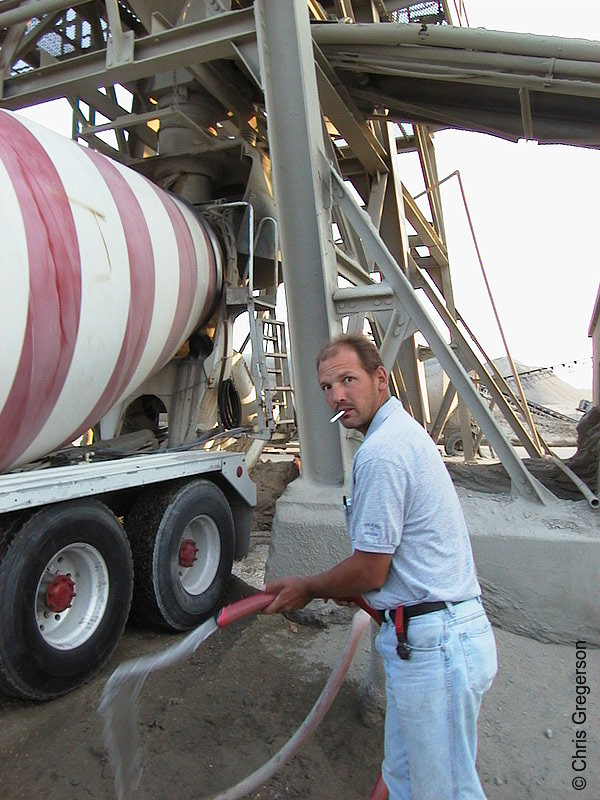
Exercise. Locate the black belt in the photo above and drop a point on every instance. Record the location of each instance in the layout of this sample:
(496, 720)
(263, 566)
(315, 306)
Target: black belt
(417, 610)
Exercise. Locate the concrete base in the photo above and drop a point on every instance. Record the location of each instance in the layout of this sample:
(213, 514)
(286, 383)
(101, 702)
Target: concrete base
(538, 565)
(309, 531)
(309, 535)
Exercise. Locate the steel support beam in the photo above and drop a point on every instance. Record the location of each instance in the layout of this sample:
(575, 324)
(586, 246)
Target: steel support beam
(428, 161)
(36, 8)
(167, 50)
(339, 108)
(393, 232)
(432, 185)
(427, 234)
(300, 174)
(119, 47)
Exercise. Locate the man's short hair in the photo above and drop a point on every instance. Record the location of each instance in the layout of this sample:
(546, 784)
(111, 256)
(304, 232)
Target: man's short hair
(364, 348)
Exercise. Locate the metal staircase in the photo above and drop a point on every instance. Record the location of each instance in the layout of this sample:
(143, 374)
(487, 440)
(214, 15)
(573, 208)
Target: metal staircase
(270, 362)
(277, 389)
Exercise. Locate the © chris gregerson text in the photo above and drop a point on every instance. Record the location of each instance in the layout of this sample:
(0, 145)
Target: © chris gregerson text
(579, 717)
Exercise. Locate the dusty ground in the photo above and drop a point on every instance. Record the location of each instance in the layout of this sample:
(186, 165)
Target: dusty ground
(210, 721)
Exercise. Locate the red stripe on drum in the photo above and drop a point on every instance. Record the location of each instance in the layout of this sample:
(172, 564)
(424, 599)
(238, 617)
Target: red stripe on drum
(188, 276)
(142, 280)
(54, 291)
(212, 274)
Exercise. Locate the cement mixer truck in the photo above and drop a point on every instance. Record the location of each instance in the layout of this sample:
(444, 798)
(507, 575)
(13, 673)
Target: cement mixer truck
(117, 368)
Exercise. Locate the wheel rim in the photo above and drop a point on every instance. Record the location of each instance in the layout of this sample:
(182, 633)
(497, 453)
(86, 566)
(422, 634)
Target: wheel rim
(78, 575)
(202, 534)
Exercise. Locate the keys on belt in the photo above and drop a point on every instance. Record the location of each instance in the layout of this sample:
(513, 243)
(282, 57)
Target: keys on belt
(402, 615)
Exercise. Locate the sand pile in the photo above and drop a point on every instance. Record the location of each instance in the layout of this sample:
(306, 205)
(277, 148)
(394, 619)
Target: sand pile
(543, 387)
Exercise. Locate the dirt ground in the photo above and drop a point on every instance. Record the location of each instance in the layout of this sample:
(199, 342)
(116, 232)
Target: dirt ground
(210, 721)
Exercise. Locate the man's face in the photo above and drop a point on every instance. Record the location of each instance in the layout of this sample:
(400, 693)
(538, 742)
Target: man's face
(347, 385)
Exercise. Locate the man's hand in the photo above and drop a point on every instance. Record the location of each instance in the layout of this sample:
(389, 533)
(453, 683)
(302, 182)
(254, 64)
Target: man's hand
(291, 593)
(360, 573)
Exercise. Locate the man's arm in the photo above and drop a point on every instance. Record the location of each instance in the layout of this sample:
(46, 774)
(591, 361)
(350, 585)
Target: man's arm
(362, 572)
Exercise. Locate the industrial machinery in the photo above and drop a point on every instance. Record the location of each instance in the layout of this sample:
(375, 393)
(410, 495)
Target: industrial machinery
(118, 304)
(124, 333)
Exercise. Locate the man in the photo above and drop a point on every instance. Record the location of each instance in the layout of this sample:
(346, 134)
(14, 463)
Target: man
(412, 561)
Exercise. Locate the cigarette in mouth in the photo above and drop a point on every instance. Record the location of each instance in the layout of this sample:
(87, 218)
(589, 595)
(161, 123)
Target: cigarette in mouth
(337, 416)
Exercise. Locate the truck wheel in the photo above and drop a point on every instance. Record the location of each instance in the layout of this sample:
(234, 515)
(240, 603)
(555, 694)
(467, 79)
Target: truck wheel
(183, 542)
(454, 444)
(65, 589)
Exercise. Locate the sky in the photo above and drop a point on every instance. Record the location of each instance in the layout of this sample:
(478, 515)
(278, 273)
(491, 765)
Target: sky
(533, 209)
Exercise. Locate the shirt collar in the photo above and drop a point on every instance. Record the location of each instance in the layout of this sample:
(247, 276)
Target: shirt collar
(382, 413)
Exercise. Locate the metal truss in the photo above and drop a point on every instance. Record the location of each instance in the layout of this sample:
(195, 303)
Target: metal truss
(395, 291)
(190, 88)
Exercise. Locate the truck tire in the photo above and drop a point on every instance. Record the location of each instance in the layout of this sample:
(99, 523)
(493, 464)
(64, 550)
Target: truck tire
(454, 444)
(183, 541)
(66, 581)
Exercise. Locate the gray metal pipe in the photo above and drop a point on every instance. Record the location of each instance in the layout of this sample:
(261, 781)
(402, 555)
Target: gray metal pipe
(483, 77)
(520, 44)
(583, 487)
(397, 57)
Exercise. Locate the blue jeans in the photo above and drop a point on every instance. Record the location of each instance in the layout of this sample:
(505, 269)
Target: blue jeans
(433, 701)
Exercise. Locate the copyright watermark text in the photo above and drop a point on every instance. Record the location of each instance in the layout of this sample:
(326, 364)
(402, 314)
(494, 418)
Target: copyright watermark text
(579, 718)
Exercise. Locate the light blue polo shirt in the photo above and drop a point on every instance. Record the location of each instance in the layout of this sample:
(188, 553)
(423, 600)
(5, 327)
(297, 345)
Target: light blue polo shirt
(403, 502)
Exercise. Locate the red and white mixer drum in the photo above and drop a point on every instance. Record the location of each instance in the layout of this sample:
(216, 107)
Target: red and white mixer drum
(103, 276)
